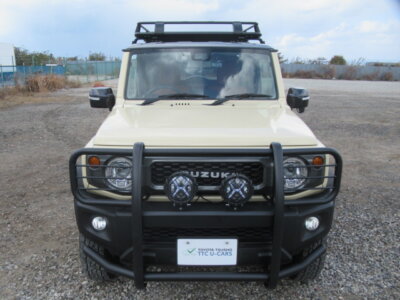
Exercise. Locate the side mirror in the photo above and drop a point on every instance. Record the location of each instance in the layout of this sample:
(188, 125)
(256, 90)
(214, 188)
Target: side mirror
(298, 98)
(102, 97)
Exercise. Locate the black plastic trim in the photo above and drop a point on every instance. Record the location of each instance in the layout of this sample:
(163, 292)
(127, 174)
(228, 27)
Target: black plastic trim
(137, 227)
(238, 33)
(139, 212)
(279, 215)
(203, 276)
(171, 152)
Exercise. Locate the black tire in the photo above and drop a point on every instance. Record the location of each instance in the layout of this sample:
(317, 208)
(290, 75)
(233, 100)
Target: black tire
(92, 269)
(313, 270)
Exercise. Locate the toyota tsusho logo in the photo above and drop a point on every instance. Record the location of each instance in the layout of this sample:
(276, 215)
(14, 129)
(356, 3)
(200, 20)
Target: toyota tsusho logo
(208, 174)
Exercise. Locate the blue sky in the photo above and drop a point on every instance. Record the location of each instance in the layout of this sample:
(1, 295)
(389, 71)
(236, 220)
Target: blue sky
(368, 29)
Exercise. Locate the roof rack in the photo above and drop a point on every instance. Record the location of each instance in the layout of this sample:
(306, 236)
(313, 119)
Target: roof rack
(241, 32)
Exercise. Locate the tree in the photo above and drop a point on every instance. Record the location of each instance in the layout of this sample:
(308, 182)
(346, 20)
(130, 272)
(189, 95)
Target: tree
(338, 60)
(282, 59)
(318, 61)
(298, 60)
(97, 56)
(25, 58)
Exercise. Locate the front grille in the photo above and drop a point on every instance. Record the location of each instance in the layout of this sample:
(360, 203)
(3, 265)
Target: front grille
(251, 234)
(161, 170)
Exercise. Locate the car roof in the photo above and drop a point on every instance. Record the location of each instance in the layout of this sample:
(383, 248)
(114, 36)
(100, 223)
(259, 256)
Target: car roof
(186, 44)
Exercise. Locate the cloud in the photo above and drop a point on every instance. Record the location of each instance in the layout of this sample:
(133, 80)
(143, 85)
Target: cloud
(171, 9)
(373, 27)
(297, 28)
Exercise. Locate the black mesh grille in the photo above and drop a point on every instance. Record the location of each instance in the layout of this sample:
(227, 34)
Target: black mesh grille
(161, 170)
(251, 234)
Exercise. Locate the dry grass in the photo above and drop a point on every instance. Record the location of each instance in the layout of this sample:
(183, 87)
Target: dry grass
(48, 83)
(35, 89)
(351, 73)
(327, 72)
(98, 84)
(387, 76)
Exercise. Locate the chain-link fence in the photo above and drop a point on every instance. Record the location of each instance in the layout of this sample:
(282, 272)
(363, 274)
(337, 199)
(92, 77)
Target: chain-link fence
(325, 71)
(90, 71)
(82, 71)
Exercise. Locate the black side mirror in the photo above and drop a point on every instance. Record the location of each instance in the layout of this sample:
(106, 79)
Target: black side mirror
(102, 97)
(298, 98)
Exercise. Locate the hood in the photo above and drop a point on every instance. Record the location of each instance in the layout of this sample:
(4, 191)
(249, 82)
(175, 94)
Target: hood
(186, 125)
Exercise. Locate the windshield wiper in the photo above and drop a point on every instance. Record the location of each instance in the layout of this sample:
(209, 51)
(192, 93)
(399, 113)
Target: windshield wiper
(239, 96)
(174, 96)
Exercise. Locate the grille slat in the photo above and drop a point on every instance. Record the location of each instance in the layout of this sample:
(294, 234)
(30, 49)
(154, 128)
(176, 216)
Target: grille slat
(161, 170)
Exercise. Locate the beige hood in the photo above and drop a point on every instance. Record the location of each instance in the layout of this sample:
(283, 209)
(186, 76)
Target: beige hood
(233, 124)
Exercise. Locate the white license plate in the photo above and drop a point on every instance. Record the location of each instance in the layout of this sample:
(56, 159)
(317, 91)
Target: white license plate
(207, 252)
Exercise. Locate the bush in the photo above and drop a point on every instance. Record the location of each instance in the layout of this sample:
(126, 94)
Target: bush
(349, 74)
(51, 82)
(328, 72)
(305, 74)
(98, 84)
(371, 76)
(387, 76)
(338, 60)
(97, 56)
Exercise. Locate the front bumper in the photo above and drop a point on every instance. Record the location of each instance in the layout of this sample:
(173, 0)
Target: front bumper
(276, 250)
(163, 225)
(202, 276)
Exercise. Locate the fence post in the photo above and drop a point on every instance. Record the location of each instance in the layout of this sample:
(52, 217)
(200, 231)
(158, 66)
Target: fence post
(2, 77)
(87, 72)
(97, 71)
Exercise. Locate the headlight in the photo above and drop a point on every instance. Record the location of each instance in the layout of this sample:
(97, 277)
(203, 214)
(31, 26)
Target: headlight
(294, 173)
(119, 173)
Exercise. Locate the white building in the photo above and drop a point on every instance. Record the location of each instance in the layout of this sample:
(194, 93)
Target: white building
(7, 57)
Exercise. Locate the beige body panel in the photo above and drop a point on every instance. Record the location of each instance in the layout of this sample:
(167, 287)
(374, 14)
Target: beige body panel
(235, 124)
(194, 124)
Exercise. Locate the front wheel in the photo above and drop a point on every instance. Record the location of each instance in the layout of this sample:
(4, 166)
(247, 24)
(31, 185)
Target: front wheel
(313, 270)
(92, 269)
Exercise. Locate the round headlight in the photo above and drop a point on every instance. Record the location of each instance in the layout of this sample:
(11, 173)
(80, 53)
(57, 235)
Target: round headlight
(119, 173)
(294, 173)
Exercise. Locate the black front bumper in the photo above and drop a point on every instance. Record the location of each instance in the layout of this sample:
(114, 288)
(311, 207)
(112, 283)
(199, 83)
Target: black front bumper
(203, 276)
(281, 224)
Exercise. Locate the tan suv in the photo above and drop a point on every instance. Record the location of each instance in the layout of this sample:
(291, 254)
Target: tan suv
(202, 162)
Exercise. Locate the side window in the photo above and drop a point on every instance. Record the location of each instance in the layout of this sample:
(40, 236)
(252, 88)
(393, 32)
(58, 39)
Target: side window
(132, 78)
(267, 76)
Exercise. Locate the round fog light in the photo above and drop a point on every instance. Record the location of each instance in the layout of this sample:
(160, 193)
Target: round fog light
(99, 223)
(312, 223)
(236, 190)
(180, 188)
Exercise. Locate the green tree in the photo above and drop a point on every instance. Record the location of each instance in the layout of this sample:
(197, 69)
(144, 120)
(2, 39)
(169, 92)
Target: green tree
(25, 58)
(20, 56)
(97, 56)
(338, 60)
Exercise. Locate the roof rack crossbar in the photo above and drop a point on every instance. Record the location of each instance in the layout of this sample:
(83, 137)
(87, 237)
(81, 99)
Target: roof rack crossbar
(160, 34)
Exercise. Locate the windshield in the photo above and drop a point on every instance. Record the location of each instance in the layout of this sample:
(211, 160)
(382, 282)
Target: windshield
(200, 73)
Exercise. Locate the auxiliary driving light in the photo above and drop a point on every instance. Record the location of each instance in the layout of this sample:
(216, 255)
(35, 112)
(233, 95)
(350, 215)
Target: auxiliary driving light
(311, 223)
(99, 223)
(236, 189)
(180, 188)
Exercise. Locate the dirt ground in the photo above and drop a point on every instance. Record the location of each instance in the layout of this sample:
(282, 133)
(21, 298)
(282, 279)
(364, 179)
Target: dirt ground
(39, 237)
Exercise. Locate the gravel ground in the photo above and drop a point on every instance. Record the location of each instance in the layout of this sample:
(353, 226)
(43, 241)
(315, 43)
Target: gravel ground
(39, 238)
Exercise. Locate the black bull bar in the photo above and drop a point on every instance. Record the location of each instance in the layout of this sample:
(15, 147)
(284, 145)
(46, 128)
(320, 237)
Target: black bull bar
(138, 273)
